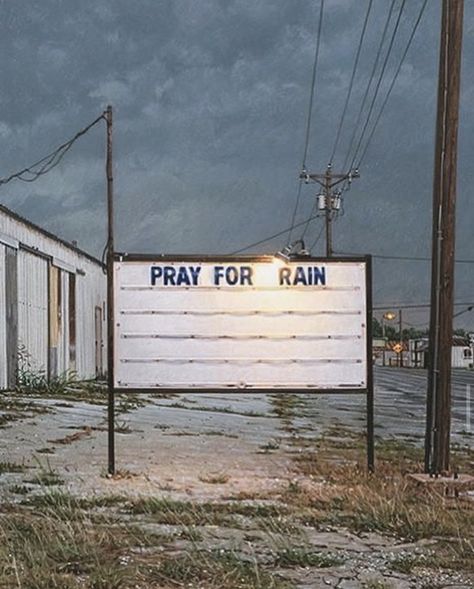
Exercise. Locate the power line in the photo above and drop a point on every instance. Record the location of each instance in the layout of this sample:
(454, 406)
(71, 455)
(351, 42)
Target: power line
(403, 258)
(295, 210)
(313, 83)
(397, 72)
(413, 306)
(470, 308)
(369, 83)
(309, 117)
(313, 245)
(50, 161)
(379, 81)
(270, 237)
(351, 83)
(308, 221)
(416, 325)
(355, 254)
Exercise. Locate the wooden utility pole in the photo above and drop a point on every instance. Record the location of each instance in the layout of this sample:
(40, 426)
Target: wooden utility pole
(328, 181)
(438, 415)
(328, 212)
(400, 331)
(110, 295)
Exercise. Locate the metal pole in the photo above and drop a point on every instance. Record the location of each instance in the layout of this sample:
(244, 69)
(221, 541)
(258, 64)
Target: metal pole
(110, 295)
(438, 405)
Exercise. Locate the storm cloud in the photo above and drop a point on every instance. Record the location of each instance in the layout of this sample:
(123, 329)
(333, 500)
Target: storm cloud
(210, 101)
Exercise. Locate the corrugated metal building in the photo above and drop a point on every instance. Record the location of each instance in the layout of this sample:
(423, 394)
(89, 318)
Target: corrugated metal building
(52, 303)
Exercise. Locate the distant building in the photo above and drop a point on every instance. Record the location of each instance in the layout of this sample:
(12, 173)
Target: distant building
(461, 352)
(387, 353)
(52, 304)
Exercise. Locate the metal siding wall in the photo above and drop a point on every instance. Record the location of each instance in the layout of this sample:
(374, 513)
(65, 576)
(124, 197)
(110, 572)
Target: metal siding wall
(81, 365)
(3, 322)
(90, 293)
(54, 323)
(33, 308)
(63, 342)
(11, 300)
(84, 340)
(457, 357)
(90, 290)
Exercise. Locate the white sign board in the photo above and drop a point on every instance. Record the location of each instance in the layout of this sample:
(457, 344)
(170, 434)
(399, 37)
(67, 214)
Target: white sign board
(256, 323)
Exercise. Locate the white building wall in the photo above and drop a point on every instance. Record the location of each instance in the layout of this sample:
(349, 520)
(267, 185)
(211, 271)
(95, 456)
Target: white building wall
(63, 340)
(33, 311)
(34, 298)
(461, 357)
(3, 321)
(89, 295)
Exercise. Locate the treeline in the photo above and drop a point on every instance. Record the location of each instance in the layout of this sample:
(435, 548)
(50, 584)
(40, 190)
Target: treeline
(392, 333)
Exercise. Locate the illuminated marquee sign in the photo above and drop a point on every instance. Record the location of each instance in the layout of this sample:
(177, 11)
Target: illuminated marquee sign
(254, 323)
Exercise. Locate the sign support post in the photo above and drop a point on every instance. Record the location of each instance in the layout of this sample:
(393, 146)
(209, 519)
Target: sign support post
(110, 296)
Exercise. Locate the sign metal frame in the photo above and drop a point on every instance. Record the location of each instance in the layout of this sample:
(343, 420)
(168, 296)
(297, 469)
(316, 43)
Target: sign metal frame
(368, 390)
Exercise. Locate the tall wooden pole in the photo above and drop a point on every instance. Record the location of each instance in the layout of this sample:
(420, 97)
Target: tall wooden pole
(328, 218)
(110, 295)
(438, 415)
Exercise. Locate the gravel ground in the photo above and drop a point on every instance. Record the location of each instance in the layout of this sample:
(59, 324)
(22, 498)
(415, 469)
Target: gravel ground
(212, 447)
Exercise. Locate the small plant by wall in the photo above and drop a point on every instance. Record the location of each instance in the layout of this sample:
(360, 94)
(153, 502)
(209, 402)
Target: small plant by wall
(31, 380)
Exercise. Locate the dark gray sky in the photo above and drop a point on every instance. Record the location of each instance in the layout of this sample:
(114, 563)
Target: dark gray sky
(210, 101)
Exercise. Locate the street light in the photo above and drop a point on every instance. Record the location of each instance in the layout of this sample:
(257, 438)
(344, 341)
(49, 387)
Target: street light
(390, 316)
(387, 316)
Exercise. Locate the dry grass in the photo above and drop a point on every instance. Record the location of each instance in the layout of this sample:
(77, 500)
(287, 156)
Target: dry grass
(215, 478)
(9, 467)
(342, 493)
(186, 513)
(215, 569)
(62, 544)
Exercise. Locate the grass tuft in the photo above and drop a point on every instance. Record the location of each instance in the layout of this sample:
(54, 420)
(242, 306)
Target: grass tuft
(9, 467)
(215, 569)
(215, 479)
(302, 557)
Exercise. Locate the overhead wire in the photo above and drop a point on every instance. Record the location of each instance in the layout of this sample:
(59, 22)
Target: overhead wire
(403, 258)
(369, 83)
(364, 100)
(309, 117)
(415, 325)
(379, 307)
(270, 237)
(318, 237)
(308, 221)
(351, 83)
(394, 79)
(313, 83)
(379, 81)
(346, 104)
(50, 161)
(467, 310)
